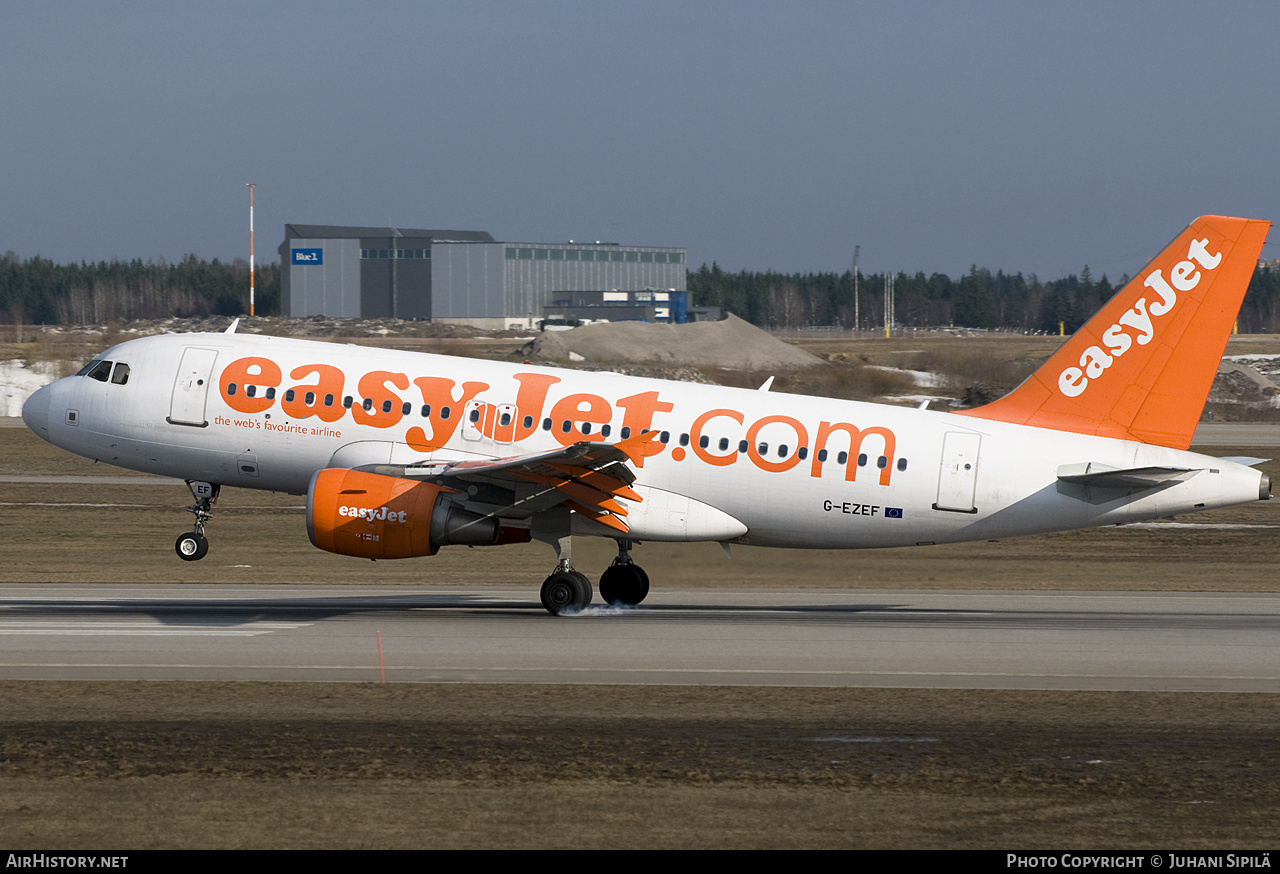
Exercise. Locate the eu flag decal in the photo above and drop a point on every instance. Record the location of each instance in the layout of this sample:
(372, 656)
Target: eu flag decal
(893, 512)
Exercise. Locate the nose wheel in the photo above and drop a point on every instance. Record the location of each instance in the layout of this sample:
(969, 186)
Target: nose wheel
(193, 545)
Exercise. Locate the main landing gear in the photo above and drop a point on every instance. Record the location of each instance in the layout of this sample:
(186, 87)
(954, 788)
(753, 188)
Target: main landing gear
(193, 546)
(624, 583)
(566, 591)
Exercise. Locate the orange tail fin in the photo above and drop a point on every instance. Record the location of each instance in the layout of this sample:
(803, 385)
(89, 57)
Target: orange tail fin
(1141, 368)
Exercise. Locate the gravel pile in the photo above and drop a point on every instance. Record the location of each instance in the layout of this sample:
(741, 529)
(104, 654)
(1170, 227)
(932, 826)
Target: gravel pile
(730, 343)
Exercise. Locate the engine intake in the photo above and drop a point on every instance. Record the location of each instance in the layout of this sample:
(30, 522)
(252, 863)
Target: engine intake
(368, 515)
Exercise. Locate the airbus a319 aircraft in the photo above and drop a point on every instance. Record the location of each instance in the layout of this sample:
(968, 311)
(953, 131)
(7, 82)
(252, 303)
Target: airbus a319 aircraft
(402, 453)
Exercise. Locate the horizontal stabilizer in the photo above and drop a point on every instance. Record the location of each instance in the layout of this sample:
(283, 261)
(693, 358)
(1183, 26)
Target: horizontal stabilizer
(1103, 476)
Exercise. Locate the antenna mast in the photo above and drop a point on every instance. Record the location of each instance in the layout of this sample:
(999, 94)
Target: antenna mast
(251, 186)
(856, 323)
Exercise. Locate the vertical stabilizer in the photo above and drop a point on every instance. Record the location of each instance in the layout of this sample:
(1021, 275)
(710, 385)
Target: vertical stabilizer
(1141, 368)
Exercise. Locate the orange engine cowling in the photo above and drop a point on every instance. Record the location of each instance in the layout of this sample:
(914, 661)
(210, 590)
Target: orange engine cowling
(368, 515)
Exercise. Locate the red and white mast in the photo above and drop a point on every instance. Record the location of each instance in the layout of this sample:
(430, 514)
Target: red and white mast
(251, 185)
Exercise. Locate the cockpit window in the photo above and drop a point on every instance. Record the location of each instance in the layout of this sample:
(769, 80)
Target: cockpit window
(98, 370)
(120, 375)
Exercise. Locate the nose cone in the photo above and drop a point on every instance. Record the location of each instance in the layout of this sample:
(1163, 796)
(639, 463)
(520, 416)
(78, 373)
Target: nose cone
(35, 412)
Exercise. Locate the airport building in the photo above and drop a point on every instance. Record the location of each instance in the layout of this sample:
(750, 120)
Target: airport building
(468, 277)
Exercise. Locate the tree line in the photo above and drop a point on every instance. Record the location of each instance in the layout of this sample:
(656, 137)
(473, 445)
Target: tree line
(37, 291)
(980, 299)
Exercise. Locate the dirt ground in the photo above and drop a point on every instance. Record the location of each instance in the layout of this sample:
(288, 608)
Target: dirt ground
(119, 766)
(105, 766)
(77, 533)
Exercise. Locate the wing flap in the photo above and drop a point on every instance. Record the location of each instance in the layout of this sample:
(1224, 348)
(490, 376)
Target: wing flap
(588, 478)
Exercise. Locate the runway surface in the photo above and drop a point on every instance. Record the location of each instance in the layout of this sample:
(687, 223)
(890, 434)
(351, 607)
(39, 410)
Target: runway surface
(992, 640)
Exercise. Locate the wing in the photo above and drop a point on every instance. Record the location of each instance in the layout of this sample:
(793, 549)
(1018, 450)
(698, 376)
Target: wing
(589, 478)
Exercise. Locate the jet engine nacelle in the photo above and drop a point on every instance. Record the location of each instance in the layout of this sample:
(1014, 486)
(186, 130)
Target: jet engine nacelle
(368, 515)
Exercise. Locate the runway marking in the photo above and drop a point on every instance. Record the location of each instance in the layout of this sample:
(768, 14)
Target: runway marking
(141, 506)
(1217, 526)
(11, 628)
(69, 504)
(604, 672)
(875, 740)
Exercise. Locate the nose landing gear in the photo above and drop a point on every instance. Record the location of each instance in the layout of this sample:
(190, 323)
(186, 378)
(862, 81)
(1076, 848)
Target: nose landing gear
(193, 545)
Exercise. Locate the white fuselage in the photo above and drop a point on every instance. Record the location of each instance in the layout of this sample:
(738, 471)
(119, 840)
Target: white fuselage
(728, 464)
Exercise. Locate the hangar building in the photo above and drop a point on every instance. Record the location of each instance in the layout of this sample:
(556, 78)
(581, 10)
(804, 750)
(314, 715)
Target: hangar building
(465, 277)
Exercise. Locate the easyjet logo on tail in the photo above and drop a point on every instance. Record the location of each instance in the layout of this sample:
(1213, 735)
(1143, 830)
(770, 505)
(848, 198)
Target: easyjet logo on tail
(1138, 324)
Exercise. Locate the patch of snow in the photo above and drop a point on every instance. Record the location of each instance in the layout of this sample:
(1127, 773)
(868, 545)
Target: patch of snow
(18, 382)
(921, 378)
(916, 399)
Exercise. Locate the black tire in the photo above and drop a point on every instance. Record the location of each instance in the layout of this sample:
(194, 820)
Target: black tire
(565, 593)
(191, 546)
(624, 584)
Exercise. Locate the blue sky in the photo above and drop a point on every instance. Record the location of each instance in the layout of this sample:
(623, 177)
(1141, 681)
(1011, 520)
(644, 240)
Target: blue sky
(1017, 136)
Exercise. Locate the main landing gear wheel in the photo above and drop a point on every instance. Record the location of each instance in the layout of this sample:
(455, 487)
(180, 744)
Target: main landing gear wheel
(624, 584)
(566, 592)
(191, 546)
